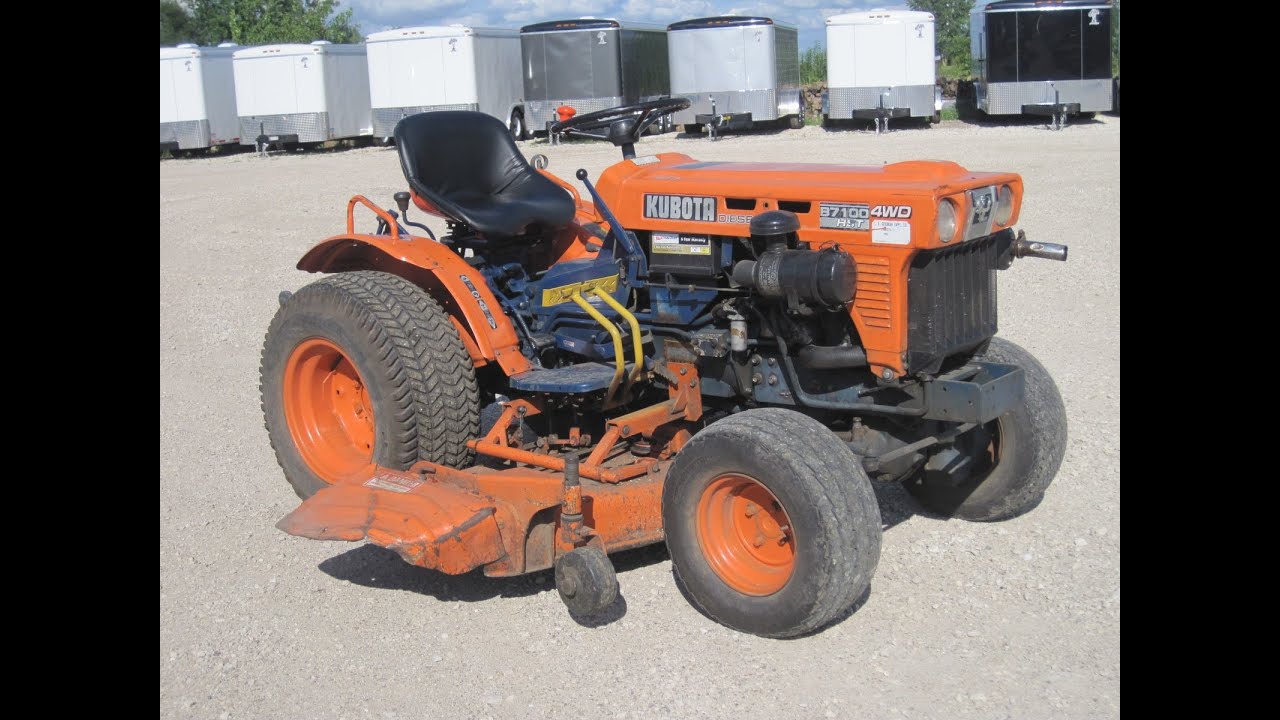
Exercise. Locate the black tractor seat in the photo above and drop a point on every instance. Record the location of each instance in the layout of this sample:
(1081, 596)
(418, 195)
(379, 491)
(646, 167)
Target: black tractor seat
(466, 164)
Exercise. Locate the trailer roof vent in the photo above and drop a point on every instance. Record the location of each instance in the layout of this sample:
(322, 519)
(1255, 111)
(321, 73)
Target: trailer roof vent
(228, 44)
(188, 45)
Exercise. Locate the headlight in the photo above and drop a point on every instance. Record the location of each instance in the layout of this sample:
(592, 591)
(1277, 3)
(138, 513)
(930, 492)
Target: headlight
(946, 220)
(1004, 206)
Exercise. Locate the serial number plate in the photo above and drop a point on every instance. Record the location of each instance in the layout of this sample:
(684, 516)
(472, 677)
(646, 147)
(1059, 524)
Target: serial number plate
(845, 216)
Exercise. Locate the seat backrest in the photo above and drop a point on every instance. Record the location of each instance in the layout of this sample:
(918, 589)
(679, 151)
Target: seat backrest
(457, 154)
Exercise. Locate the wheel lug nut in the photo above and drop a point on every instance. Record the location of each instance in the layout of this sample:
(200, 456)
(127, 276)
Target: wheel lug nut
(759, 540)
(752, 509)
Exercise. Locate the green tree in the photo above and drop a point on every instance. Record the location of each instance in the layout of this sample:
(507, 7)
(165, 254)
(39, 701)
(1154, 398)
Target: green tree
(259, 22)
(813, 65)
(175, 23)
(1115, 39)
(951, 23)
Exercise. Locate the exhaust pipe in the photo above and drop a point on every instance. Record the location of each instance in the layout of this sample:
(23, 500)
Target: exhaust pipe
(1048, 251)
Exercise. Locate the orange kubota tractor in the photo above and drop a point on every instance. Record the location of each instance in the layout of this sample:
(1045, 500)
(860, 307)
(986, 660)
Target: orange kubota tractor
(722, 356)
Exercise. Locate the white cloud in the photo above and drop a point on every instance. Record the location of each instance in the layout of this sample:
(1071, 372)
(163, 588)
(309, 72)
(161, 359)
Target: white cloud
(528, 11)
(396, 8)
(666, 11)
(810, 15)
(470, 20)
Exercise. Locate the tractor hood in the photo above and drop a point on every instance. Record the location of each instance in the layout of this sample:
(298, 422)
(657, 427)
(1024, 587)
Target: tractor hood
(840, 203)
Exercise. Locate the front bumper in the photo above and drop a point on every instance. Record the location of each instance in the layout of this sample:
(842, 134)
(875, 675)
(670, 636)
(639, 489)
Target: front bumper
(979, 392)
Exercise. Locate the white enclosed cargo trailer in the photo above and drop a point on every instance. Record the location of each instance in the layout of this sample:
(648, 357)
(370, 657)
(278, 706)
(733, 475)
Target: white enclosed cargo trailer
(421, 69)
(735, 70)
(302, 93)
(197, 97)
(1042, 58)
(590, 64)
(881, 64)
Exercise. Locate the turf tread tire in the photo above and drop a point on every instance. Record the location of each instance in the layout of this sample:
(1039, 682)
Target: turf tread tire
(420, 366)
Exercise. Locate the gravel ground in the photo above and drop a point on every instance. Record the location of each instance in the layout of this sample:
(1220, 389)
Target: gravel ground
(1016, 619)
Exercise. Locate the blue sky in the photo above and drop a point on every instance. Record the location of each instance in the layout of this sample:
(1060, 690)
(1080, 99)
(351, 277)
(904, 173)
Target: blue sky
(808, 15)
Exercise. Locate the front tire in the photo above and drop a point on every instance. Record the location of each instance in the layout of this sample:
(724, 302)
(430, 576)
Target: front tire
(1018, 458)
(771, 523)
(362, 369)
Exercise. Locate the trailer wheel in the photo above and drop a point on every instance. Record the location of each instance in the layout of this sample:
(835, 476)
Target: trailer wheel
(518, 129)
(693, 128)
(1017, 454)
(936, 118)
(795, 122)
(364, 368)
(771, 523)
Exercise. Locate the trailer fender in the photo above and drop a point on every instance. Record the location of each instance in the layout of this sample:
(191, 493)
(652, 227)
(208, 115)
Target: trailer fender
(486, 330)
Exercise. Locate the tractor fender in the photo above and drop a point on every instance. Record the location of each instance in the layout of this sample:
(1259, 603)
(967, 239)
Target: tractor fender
(485, 329)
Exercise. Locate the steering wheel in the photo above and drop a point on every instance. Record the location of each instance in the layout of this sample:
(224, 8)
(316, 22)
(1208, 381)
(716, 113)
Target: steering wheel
(623, 125)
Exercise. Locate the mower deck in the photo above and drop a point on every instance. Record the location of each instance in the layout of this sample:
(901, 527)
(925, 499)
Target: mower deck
(503, 520)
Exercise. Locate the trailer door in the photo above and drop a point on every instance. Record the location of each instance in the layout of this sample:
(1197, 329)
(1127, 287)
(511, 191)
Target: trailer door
(920, 66)
(569, 73)
(1049, 45)
(879, 54)
(405, 73)
(757, 58)
(267, 85)
(533, 52)
(1095, 26)
(188, 88)
(1002, 46)
(168, 94)
(457, 70)
(605, 47)
(721, 62)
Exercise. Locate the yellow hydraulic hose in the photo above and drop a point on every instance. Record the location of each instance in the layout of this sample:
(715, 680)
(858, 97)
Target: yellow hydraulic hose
(635, 331)
(617, 342)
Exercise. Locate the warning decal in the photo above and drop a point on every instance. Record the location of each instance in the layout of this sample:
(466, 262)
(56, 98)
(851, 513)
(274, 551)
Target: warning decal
(676, 244)
(394, 483)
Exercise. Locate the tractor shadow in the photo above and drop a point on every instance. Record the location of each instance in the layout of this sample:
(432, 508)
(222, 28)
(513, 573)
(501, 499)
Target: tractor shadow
(376, 567)
(897, 506)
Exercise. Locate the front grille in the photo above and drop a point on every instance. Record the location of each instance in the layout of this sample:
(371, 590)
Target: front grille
(951, 301)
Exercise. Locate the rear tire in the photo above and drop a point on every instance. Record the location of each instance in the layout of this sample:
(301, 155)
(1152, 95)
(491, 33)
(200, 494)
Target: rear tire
(795, 122)
(1025, 452)
(771, 523)
(365, 368)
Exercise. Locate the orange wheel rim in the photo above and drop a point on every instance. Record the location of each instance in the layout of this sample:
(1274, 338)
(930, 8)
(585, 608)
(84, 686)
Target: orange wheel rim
(745, 535)
(327, 408)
